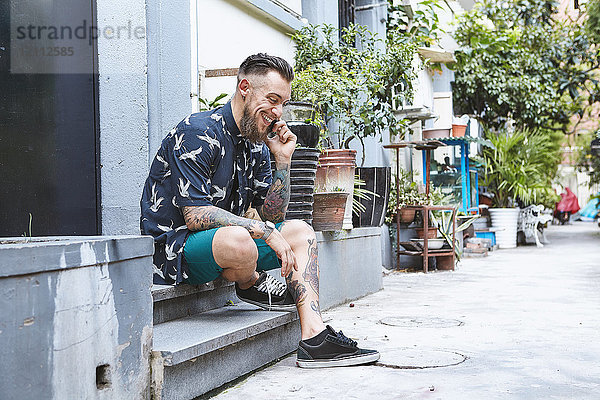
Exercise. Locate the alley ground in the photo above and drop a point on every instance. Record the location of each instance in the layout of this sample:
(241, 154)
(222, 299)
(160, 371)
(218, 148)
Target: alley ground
(519, 324)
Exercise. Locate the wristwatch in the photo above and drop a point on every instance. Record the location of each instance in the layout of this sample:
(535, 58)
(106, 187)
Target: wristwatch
(268, 229)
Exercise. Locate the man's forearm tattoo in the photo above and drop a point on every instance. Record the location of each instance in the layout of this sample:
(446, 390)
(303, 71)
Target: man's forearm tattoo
(209, 217)
(311, 272)
(297, 290)
(278, 197)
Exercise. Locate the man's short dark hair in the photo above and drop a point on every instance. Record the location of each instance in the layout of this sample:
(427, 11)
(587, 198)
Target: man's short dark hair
(262, 63)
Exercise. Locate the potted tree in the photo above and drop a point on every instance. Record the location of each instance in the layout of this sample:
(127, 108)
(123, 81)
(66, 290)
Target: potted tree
(352, 80)
(518, 171)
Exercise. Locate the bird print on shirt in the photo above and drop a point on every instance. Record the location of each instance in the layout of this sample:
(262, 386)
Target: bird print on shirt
(171, 255)
(158, 271)
(178, 142)
(261, 184)
(155, 200)
(183, 188)
(219, 193)
(190, 155)
(211, 141)
(165, 166)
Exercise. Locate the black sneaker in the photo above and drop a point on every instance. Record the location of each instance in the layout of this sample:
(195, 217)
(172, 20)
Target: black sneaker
(336, 350)
(267, 293)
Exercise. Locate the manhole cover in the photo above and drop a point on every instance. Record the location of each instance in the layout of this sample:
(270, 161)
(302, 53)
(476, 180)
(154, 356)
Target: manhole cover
(421, 322)
(406, 358)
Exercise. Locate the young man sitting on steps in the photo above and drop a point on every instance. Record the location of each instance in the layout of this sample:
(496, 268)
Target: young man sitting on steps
(208, 171)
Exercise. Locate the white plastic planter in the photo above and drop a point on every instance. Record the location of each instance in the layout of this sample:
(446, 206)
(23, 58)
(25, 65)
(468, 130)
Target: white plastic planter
(505, 219)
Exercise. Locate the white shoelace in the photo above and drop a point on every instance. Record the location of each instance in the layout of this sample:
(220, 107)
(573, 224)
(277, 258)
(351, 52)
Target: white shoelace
(272, 286)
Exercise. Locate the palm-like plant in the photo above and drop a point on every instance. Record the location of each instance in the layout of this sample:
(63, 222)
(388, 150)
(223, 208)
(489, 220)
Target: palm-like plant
(520, 167)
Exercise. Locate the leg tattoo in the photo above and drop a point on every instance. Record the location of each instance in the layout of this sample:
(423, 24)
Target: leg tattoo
(314, 305)
(311, 273)
(297, 290)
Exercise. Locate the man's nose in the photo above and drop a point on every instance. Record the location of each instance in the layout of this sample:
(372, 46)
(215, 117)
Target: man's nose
(278, 111)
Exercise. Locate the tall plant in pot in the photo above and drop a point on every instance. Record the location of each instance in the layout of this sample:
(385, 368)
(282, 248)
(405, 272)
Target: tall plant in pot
(351, 80)
(354, 80)
(518, 172)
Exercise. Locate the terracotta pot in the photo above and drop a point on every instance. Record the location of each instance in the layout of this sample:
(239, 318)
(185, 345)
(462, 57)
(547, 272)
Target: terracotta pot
(444, 263)
(431, 233)
(458, 130)
(334, 172)
(407, 215)
(328, 210)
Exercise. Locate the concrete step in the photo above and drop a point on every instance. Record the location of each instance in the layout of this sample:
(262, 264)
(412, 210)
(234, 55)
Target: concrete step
(173, 302)
(198, 353)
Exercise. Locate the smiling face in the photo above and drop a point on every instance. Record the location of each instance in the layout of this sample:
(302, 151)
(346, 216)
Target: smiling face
(264, 102)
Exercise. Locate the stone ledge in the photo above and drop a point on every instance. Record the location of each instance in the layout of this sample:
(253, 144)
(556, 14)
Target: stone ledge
(168, 292)
(22, 256)
(187, 338)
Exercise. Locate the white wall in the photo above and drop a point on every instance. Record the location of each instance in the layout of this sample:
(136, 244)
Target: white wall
(228, 32)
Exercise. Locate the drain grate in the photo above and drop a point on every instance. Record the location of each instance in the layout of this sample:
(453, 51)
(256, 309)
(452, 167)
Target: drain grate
(407, 358)
(421, 322)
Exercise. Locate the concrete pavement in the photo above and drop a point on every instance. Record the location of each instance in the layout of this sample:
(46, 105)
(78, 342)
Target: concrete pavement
(522, 323)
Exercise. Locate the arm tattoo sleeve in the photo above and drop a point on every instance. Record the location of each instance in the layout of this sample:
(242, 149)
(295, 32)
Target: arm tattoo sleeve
(278, 196)
(208, 217)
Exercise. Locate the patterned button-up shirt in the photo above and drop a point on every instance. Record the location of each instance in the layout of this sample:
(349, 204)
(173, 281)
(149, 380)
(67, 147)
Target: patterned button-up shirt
(203, 161)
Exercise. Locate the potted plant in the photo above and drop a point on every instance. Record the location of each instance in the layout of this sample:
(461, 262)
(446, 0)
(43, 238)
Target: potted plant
(406, 194)
(328, 209)
(518, 171)
(443, 222)
(352, 79)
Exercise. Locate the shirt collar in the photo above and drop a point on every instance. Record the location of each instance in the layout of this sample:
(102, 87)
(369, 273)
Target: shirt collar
(231, 125)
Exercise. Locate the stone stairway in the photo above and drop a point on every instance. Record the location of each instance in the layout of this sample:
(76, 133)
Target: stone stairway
(204, 337)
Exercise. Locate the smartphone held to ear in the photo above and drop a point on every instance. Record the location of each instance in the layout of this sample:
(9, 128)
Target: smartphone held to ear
(272, 134)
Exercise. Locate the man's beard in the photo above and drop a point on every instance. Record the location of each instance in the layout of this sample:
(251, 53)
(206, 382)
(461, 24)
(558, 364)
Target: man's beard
(249, 127)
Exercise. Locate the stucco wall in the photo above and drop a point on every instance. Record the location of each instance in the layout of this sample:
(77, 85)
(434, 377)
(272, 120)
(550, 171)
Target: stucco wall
(123, 116)
(69, 306)
(169, 69)
(230, 31)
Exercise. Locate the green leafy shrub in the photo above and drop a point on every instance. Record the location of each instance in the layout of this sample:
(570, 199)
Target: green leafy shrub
(353, 80)
(520, 168)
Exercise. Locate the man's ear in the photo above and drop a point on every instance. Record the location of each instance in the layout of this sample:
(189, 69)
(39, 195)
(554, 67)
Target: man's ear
(244, 87)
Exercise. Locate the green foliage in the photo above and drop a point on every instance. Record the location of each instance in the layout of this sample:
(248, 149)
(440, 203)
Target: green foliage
(353, 80)
(206, 104)
(360, 193)
(586, 161)
(592, 24)
(520, 168)
(410, 194)
(518, 62)
(422, 28)
(443, 221)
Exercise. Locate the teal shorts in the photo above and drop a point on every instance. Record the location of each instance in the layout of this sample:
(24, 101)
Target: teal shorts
(202, 267)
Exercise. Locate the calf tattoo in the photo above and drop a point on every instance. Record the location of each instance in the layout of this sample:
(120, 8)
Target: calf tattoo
(314, 305)
(297, 290)
(311, 272)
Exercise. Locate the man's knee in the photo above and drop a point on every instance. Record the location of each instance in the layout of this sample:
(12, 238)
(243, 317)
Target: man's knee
(233, 245)
(297, 231)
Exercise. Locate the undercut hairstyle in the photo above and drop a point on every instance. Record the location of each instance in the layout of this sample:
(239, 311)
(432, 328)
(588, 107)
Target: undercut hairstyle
(262, 63)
